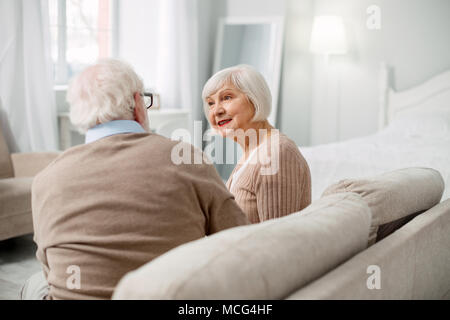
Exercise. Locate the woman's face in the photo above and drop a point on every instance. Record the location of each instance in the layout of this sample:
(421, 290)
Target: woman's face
(229, 108)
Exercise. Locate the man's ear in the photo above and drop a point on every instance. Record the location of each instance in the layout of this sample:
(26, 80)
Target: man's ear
(139, 111)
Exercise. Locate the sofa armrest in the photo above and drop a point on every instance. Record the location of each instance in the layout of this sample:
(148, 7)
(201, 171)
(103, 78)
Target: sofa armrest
(29, 164)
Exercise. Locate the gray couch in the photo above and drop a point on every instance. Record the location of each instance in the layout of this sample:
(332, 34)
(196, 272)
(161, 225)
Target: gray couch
(16, 175)
(387, 237)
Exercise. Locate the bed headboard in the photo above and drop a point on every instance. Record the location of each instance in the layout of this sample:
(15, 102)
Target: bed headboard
(392, 101)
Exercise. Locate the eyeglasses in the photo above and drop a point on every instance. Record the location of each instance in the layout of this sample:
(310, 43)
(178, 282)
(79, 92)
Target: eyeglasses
(148, 99)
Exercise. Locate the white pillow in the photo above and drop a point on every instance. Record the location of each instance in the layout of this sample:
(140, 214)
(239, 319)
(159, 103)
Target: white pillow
(394, 195)
(434, 122)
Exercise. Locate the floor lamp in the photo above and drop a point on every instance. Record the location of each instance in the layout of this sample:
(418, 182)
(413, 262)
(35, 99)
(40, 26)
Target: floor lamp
(328, 38)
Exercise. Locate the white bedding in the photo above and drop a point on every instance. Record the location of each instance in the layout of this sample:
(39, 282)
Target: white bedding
(398, 146)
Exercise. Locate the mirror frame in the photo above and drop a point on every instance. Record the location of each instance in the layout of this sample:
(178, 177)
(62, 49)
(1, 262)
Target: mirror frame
(277, 38)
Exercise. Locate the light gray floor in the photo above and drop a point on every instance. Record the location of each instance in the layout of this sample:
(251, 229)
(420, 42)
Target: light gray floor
(17, 263)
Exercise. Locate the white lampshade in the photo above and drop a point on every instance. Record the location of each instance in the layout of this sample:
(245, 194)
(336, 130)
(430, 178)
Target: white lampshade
(328, 35)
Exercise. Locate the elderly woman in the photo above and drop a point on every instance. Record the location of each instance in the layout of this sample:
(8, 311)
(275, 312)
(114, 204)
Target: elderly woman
(272, 179)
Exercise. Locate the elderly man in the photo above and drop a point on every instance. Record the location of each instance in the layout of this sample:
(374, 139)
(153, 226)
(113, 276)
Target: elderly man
(115, 203)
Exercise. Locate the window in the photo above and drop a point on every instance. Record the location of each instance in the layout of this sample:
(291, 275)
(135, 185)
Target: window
(82, 31)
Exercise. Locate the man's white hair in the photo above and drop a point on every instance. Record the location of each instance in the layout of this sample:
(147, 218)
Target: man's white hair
(102, 93)
(247, 80)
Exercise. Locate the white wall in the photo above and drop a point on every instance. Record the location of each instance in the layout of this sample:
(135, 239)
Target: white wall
(294, 110)
(414, 39)
(294, 104)
(255, 7)
(138, 36)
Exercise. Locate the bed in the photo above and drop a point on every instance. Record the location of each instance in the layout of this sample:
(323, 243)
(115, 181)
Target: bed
(414, 132)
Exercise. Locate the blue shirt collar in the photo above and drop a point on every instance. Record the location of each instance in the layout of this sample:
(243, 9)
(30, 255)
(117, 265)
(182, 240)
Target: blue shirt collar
(112, 128)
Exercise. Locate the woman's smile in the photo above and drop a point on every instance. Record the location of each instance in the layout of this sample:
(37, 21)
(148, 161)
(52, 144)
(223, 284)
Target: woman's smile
(224, 122)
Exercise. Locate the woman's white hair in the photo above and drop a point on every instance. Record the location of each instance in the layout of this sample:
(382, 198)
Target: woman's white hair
(247, 80)
(102, 93)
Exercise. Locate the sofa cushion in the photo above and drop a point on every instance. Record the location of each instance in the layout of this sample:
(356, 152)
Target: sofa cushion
(6, 168)
(395, 195)
(262, 261)
(16, 225)
(29, 164)
(15, 196)
(413, 264)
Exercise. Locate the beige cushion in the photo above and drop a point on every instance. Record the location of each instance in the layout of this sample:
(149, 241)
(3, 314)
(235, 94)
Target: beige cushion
(16, 225)
(30, 164)
(6, 169)
(263, 261)
(394, 195)
(414, 263)
(15, 196)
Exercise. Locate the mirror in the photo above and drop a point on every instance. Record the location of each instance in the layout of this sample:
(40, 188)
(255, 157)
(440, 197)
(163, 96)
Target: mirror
(256, 41)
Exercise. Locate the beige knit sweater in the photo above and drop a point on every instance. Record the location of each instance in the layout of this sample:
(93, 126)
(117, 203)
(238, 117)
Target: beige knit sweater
(110, 206)
(267, 196)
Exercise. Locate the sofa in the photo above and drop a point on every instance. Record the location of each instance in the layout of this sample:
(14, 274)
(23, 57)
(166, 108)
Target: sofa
(16, 175)
(384, 237)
